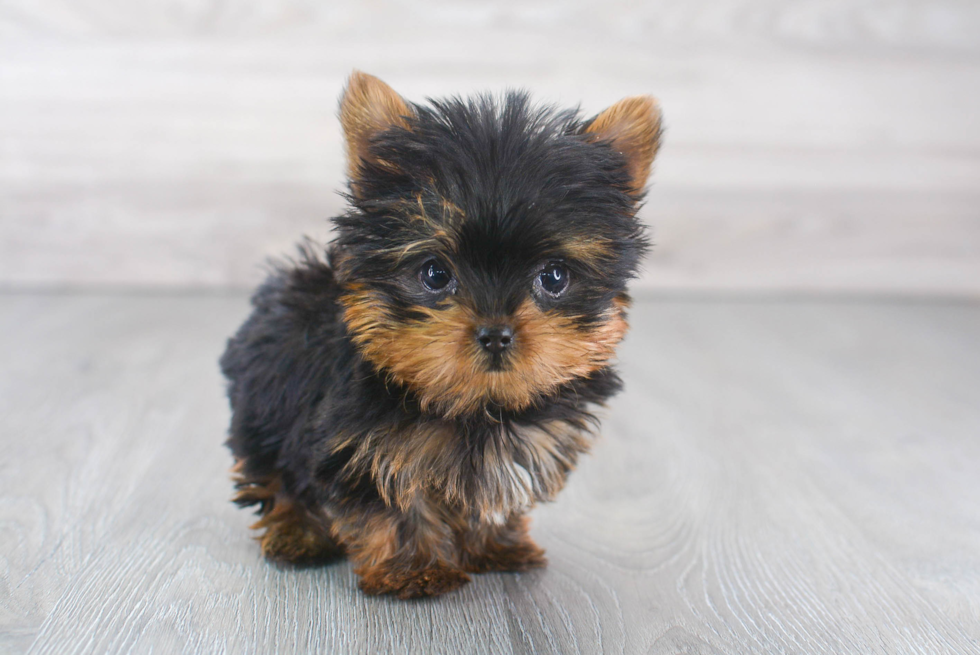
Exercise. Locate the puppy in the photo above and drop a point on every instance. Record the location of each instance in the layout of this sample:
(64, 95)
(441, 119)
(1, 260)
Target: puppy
(405, 397)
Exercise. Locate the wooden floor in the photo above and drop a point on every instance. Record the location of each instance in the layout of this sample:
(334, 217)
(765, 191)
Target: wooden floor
(779, 476)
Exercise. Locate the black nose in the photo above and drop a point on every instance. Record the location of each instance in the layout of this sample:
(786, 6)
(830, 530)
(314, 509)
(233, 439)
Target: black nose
(495, 339)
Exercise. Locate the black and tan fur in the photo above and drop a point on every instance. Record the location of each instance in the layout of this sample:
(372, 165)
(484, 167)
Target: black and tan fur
(368, 419)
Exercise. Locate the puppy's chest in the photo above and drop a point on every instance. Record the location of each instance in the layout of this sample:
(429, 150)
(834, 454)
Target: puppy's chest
(488, 473)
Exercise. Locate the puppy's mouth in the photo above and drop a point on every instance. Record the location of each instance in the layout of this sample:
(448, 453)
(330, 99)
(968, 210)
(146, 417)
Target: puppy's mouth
(497, 362)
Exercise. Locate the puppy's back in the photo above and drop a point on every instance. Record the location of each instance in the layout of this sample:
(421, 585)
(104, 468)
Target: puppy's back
(278, 364)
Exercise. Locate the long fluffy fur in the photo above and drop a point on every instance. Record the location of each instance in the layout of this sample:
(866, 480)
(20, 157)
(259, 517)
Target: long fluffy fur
(362, 420)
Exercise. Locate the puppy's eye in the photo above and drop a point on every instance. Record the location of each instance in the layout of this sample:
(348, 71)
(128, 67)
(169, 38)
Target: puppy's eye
(434, 275)
(553, 279)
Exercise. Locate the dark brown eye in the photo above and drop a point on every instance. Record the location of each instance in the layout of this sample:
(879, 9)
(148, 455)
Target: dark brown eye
(434, 275)
(554, 279)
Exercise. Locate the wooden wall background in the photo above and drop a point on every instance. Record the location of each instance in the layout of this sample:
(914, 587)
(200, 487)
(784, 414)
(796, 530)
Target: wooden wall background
(817, 145)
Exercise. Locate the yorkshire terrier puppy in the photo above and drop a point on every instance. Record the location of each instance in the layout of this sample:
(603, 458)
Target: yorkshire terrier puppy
(406, 397)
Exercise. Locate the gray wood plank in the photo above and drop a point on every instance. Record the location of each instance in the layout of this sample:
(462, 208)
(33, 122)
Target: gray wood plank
(177, 144)
(777, 477)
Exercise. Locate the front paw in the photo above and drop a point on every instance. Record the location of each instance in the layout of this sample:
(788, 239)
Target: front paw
(292, 535)
(521, 556)
(432, 581)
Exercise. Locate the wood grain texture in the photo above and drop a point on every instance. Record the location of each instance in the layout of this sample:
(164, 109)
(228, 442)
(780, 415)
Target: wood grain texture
(777, 477)
(176, 144)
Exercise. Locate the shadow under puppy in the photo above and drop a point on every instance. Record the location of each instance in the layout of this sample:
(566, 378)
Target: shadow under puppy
(407, 397)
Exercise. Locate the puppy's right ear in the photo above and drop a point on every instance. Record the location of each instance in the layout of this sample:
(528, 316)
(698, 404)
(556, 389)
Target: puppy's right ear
(368, 108)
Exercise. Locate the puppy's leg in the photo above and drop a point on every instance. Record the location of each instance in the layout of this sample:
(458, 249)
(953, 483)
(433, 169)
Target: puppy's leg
(292, 533)
(410, 554)
(507, 547)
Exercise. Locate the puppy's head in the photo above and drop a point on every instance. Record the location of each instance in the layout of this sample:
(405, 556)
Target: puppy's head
(486, 255)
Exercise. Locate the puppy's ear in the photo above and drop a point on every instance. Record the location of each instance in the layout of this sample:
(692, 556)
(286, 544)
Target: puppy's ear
(631, 127)
(367, 108)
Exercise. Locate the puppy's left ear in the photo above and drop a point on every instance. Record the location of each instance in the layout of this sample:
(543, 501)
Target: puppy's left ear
(368, 108)
(631, 127)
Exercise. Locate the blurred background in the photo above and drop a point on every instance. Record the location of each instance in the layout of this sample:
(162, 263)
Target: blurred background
(817, 146)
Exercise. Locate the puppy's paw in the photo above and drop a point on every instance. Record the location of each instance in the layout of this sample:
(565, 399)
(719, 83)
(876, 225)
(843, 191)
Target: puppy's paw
(432, 581)
(298, 544)
(522, 556)
(292, 536)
